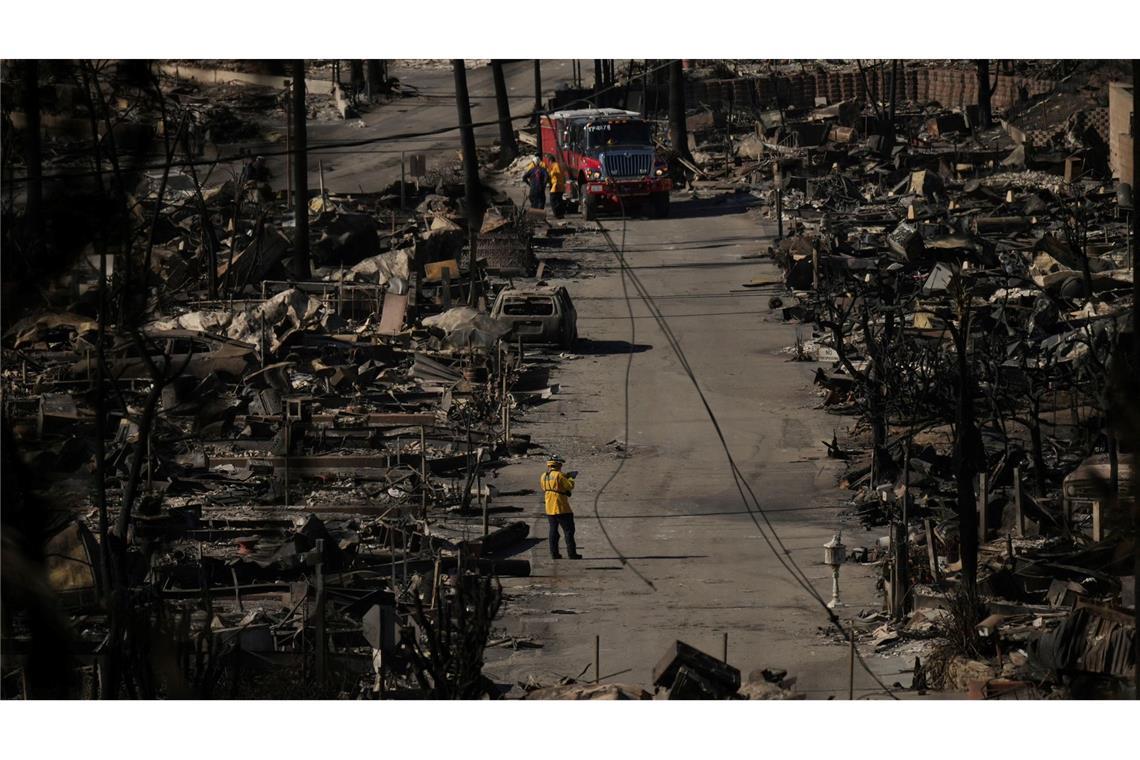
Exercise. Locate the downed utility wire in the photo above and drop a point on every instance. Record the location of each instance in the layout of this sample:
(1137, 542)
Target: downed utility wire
(621, 461)
(786, 560)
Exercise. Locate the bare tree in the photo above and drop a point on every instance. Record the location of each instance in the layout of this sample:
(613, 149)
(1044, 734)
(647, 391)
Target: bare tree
(448, 661)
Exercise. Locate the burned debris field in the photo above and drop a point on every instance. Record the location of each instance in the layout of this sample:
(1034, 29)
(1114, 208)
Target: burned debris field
(618, 379)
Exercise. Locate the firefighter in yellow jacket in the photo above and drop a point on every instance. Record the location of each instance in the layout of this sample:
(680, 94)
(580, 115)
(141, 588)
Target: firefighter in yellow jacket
(556, 488)
(557, 185)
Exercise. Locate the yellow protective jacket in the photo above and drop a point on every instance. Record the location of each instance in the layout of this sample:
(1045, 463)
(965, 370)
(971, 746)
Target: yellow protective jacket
(557, 181)
(557, 489)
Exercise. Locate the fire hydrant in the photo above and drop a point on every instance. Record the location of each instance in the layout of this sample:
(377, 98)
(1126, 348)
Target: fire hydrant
(834, 554)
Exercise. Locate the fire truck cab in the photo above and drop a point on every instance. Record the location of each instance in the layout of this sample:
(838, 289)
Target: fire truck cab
(608, 158)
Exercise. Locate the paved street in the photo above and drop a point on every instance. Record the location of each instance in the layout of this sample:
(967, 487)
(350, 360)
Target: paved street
(673, 511)
(373, 167)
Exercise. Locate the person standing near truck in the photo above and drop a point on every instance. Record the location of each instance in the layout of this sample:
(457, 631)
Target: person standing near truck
(556, 489)
(536, 178)
(557, 185)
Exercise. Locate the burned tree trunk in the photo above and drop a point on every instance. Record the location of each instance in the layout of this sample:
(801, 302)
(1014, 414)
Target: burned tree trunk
(889, 127)
(1135, 367)
(33, 163)
(599, 77)
(356, 76)
(374, 77)
(474, 196)
(967, 448)
(985, 112)
(1037, 448)
(300, 176)
(537, 86)
(877, 391)
(678, 135)
(508, 148)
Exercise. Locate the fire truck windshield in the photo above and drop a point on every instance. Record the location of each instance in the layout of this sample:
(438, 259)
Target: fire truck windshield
(617, 133)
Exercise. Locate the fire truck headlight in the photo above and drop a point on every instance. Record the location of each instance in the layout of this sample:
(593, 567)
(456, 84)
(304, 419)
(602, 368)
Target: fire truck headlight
(595, 174)
(660, 172)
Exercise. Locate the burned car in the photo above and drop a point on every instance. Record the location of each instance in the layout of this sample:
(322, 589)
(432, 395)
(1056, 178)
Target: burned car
(538, 315)
(201, 353)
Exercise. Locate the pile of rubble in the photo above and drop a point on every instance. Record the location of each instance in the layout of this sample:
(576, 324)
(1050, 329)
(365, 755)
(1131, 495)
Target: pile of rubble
(260, 483)
(969, 297)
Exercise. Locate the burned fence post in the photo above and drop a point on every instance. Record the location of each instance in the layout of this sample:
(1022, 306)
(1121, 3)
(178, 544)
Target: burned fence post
(1019, 514)
(320, 623)
(778, 181)
(851, 663)
(931, 554)
(486, 515)
(597, 658)
(983, 506)
(423, 475)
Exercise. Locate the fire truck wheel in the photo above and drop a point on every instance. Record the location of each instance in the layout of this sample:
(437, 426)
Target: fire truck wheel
(661, 205)
(590, 209)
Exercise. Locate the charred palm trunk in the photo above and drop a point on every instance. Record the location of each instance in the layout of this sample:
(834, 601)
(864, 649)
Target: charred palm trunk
(356, 76)
(985, 112)
(889, 129)
(678, 134)
(1037, 448)
(1136, 368)
(537, 87)
(374, 77)
(508, 148)
(474, 195)
(300, 177)
(966, 440)
(33, 160)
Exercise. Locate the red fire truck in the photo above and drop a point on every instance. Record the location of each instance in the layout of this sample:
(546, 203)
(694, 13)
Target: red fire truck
(609, 159)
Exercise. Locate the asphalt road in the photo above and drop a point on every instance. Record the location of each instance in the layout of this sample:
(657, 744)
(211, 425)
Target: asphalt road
(673, 511)
(374, 167)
